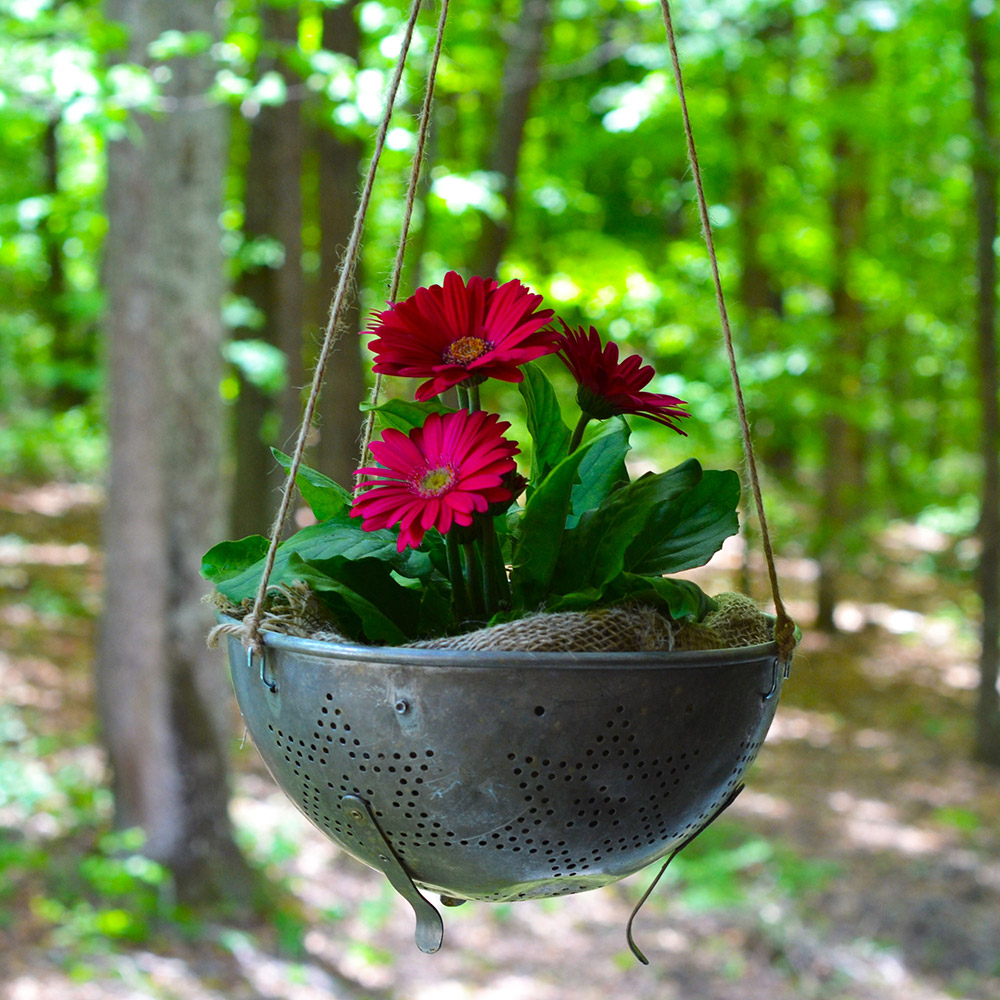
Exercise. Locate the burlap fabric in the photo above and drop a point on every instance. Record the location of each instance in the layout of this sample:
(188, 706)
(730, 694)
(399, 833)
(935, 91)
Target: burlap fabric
(737, 621)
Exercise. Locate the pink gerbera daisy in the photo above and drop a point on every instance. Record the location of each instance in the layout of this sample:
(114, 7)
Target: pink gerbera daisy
(459, 332)
(609, 387)
(438, 475)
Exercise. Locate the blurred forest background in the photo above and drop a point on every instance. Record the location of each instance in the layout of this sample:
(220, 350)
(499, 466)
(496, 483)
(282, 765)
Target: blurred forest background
(177, 183)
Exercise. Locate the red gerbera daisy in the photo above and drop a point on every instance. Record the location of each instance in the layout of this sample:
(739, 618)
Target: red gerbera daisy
(609, 387)
(438, 475)
(455, 332)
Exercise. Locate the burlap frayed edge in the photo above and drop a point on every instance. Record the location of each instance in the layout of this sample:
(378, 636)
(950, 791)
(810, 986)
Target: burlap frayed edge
(290, 610)
(736, 622)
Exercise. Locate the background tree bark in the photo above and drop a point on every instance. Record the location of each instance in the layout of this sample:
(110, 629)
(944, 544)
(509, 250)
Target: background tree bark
(163, 699)
(273, 209)
(844, 461)
(759, 290)
(986, 177)
(338, 165)
(520, 78)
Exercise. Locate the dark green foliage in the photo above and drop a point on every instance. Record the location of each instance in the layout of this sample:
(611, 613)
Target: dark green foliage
(545, 422)
(539, 531)
(324, 496)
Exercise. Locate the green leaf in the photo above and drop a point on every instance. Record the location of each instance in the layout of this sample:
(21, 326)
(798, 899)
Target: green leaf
(328, 578)
(602, 469)
(262, 364)
(540, 530)
(578, 600)
(227, 559)
(545, 424)
(404, 415)
(338, 536)
(324, 496)
(593, 552)
(416, 608)
(688, 531)
(681, 598)
(172, 43)
(436, 612)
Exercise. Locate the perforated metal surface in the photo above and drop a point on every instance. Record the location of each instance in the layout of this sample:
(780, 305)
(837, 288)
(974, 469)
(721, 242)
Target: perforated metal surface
(498, 776)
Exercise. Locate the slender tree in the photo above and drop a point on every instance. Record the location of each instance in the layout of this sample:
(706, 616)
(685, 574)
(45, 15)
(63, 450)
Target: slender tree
(56, 289)
(162, 699)
(520, 78)
(274, 284)
(759, 289)
(986, 177)
(844, 460)
(338, 156)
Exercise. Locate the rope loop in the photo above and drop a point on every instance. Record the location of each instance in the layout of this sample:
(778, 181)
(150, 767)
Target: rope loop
(784, 628)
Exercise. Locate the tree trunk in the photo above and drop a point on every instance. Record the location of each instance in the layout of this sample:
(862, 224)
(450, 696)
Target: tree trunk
(163, 700)
(986, 176)
(421, 238)
(273, 210)
(338, 165)
(844, 461)
(72, 346)
(520, 78)
(56, 284)
(760, 294)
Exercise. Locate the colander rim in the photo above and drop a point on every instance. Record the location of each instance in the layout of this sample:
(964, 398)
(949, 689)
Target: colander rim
(474, 659)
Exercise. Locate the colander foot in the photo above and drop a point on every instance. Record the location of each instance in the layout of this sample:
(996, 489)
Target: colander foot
(430, 928)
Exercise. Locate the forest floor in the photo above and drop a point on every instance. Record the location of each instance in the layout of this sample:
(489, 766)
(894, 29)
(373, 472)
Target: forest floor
(861, 863)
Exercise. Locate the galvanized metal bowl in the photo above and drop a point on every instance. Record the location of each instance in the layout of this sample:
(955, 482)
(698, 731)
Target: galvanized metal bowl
(505, 776)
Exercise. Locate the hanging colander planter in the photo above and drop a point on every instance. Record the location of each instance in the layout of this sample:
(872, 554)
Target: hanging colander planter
(504, 776)
(503, 770)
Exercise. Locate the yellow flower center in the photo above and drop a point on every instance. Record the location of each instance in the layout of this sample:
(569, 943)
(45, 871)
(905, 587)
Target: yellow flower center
(434, 482)
(466, 349)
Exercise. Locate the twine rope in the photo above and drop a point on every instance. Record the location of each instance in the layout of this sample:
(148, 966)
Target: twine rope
(784, 627)
(252, 639)
(411, 197)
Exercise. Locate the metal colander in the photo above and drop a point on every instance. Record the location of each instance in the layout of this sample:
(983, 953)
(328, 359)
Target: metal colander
(504, 776)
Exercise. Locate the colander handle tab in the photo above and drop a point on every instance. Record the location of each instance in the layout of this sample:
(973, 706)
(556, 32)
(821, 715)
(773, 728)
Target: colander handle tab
(430, 927)
(635, 949)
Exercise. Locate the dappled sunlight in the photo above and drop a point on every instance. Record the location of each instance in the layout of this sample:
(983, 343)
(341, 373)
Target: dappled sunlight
(853, 616)
(504, 987)
(50, 499)
(874, 825)
(763, 805)
(815, 728)
(275, 977)
(15, 551)
(872, 739)
(34, 683)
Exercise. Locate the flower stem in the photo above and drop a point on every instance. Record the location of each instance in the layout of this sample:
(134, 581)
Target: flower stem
(577, 437)
(463, 397)
(474, 399)
(495, 585)
(459, 588)
(474, 575)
